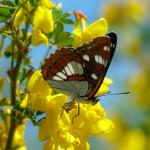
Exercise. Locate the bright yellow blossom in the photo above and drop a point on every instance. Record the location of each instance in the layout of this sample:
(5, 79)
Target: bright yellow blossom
(42, 22)
(19, 18)
(57, 129)
(20, 14)
(39, 96)
(104, 87)
(88, 32)
(18, 140)
(38, 37)
(43, 19)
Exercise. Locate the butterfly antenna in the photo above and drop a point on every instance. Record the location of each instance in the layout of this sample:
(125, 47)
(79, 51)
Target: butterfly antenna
(120, 93)
(31, 67)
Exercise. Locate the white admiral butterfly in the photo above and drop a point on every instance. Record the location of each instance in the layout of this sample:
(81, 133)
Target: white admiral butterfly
(79, 72)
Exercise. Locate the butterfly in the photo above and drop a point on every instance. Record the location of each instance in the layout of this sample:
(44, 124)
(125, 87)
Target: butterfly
(79, 72)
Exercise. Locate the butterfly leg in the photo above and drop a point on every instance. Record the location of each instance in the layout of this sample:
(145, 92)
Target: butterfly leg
(68, 107)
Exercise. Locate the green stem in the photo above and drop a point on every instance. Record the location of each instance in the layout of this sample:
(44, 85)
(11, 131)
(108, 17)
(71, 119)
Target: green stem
(13, 74)
(13, 85)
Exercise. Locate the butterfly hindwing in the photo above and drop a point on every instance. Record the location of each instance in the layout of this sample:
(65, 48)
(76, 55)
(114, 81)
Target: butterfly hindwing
(64, 72)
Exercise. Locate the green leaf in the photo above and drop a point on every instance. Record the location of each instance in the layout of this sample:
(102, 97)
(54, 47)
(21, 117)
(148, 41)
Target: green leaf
(3, 19)
(66, 43)
(27, 60)
(65, 15)
(67, 21)
(59, 29)
(8, 2)
(64, 35)
(65, 39)
(16, 2)
(38, 113)
(57, 14)
(33, 2)
(3, 114)
(4, 11)
(32, 116)
(22, 75)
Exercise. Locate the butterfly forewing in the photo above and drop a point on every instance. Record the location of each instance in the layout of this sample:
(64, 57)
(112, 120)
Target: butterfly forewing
(96, 57)
(79, 72)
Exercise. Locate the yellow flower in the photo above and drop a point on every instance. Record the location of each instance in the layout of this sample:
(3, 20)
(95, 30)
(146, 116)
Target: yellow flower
(126, 138)
(42, 22)
(39, 96)
(18, 140)
(20, 14)
(47, 3)
(19, 18)
(43, 19)
(104, 87)
(138, 83)
(131, 10)
(131, 138)
(88, 32)
(38, 37)
(136, 10)
(57, 129)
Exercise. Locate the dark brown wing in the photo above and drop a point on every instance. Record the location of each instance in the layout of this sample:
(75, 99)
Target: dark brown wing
(96, 57)
(57, 62)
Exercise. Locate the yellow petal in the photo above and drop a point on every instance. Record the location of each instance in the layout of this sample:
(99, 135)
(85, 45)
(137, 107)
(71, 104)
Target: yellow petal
(96, 29)
(104, 87)
(24, 102)
(38, 84)
(19, 17)
(102, 90)
(43, 19)
(56, 101)
(107, 81)
(47, 3)
(89, 32)
(102, 127)
(38, 38)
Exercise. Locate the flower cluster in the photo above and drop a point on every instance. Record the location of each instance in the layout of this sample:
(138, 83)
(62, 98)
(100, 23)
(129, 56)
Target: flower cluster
(57, 129)
(42, 22)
